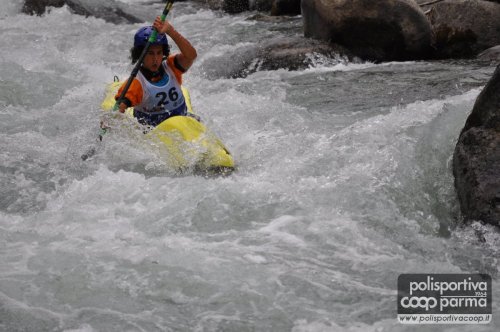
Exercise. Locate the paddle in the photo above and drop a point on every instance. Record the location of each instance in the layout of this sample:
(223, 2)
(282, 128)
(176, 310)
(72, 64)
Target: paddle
(133, 74)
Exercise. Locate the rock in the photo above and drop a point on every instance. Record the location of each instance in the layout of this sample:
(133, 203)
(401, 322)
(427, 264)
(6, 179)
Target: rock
(262, 5)
(382, 30)
(113, 14)
(291, 53)
(464, 28)
(285, 7)
(491, 54)
(235, 6)
(295, 53)
(229, 6)
(476, 160)
(37, 7)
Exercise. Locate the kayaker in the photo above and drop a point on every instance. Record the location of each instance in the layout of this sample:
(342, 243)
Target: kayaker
(156, 92)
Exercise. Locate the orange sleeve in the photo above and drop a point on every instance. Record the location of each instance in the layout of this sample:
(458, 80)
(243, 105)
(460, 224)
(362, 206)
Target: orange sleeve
(134, 93)
(171, 65)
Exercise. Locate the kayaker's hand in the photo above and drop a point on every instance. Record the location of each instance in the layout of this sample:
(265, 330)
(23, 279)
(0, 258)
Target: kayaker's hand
(162, 27)
(188, 53)
(122, 107)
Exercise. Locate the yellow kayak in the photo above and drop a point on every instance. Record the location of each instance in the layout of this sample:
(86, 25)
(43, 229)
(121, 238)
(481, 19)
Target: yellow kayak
(188, 143)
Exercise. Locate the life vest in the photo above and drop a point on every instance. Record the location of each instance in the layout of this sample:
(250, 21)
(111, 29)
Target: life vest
(160, 100)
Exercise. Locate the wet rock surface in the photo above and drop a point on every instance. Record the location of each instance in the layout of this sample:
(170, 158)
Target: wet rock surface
(384, 30)
(476, 160)
(464, 28)
(491, 54)
(291, 53)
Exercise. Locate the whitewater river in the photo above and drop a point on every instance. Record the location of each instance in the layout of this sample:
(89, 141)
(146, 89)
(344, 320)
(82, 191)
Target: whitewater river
(343, 183)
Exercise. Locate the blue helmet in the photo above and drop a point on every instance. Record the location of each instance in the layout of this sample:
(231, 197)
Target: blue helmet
(142, 35)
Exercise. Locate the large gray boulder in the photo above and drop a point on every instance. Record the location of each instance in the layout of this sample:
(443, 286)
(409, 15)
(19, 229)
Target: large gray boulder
(491, 54)
(285, 7)
(476, 160)
(95, 8)
(261, 5)
(380, 30)
(464, 28)
(37, 7)
(291, 53)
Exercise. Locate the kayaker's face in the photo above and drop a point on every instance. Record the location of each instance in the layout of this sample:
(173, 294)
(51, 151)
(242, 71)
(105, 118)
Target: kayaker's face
(152, 60)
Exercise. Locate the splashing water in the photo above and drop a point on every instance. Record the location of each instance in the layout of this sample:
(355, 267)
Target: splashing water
(343, 183)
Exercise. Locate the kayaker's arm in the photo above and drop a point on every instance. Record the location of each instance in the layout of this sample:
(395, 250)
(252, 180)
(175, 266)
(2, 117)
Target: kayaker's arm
(132, 97)
(188, 53)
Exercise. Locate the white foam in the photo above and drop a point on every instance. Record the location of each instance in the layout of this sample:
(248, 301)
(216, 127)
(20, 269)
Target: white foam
(309, 233)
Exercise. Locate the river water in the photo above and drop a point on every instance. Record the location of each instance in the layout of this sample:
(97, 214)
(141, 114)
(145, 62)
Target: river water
(343, 183)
